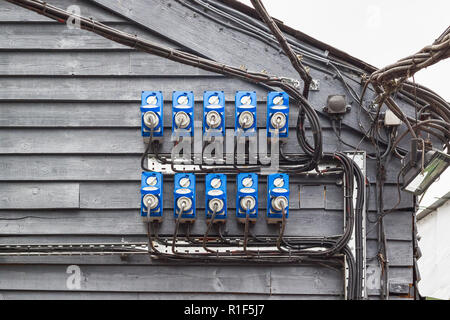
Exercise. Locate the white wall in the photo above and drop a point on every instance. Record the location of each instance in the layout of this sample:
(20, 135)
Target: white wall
(434, 265)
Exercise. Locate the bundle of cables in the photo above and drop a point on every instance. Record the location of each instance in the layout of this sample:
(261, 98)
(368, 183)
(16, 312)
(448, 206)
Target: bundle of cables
(432, 112)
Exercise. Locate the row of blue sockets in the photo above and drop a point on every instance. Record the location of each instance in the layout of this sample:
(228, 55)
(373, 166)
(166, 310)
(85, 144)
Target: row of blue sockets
(213, 113)
(152, 193)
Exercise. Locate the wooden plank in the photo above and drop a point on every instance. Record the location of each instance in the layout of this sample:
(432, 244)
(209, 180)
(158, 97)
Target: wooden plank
(66, 167)
(106, 88)
(91, 63)
(95, 168)
(214, 41)
(67, 239)
(400, 253)
(70, 168)
(312, 196)
(391, 198)
(110, 260)
(85, 168)
(131, 259)
(54, 35)
(121, 195)
(75, 141)
(397, 276)
(104, 195)
(105, 141)
(66, 295)
(39, 195)
(128, 223)
(177, 278)
(334, 196)
(321, 279)
(330, 141)
(13, 13)
(103, 114)
(392, 170)
(70, 114)
(397, 224)
(376, 297)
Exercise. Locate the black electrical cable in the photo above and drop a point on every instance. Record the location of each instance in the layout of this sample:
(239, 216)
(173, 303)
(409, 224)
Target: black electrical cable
(295, 61)
(349, 176)
(282, 228)
(222, 237)
(149, 234)
(208, 229)
(177, 224)
(148, 150)
(359, 207)
(246, 227)
(188, 234)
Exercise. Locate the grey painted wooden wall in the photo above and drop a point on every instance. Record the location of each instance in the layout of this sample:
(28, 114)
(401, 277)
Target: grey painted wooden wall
(69, 158)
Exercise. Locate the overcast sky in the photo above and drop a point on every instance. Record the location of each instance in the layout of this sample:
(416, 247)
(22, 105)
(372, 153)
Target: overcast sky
(377, 31)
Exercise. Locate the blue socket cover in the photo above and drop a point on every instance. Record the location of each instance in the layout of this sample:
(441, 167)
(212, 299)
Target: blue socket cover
(277, 197)
(183, 113)
(152, 114)
(247, 196)
(216, 194)
(278, 114)
(184, 196)
(214, 113)
(245, 113)
(152, 196)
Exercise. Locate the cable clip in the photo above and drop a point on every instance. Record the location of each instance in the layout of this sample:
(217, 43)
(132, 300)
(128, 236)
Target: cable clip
(289, 81)
(93, 24)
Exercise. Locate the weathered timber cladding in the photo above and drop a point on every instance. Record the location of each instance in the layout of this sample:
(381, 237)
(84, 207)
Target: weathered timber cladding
(69, 159)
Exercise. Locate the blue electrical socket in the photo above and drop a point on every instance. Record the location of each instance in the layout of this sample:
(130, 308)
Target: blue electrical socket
(214, 113)
(182, 114)
(277, 197)
(278, 114)
(247, 193)
(152, 194)
(152, 114)
(216, 194)
(184, 193)
(245, 113)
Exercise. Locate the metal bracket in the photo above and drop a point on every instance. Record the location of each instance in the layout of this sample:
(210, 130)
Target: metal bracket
(314, 85)
(154, 165)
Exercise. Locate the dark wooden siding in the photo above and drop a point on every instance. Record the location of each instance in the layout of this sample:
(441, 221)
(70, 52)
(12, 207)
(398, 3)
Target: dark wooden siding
(69, 159)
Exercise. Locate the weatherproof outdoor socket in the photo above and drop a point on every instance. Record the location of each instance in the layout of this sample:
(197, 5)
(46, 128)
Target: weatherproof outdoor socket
(216, 197)
(184, 197)
(152, 115)
(152, 196)
(247, 197)
(182, 114)
(277, 197)
(278, 115)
